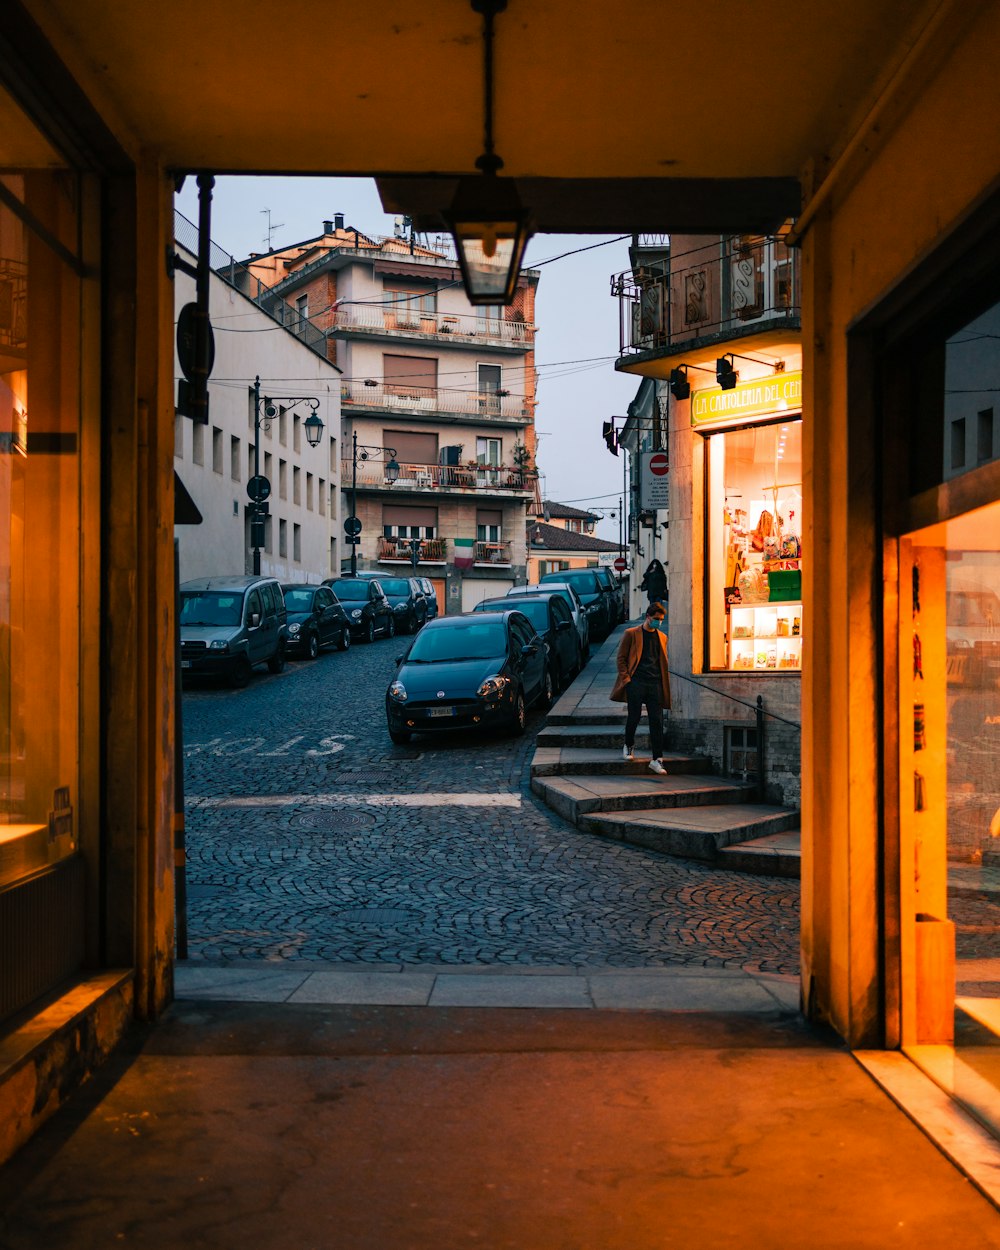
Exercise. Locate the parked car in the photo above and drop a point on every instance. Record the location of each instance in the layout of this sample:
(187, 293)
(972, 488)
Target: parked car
(613, 588)
(316, 620)
(430, 595)
(229, 625)
(551, 618)
(409, 604)
(595, 601)
(368, 609)
(475, 671)
(571, 598)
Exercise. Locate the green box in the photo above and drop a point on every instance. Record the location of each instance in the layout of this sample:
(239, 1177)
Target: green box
(784, 586)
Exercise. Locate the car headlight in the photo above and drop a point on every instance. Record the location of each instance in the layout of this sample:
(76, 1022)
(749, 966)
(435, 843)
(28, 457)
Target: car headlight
(356, 614)
(401, 607)
(593, 607)
(218, 644)
(294, 628)
(397, 692)
(492, 688)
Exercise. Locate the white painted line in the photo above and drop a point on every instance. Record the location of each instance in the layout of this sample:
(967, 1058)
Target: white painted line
(357, 800)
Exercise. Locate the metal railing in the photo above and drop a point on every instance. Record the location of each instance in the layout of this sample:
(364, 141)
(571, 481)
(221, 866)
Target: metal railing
(402, 397)
(415, 320)
(760, 713)
(492, 553)
(720, 289)
(437, 477)
(400, 550)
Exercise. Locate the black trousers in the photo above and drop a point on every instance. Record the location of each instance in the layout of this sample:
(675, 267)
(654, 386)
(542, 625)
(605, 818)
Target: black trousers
(649, 692)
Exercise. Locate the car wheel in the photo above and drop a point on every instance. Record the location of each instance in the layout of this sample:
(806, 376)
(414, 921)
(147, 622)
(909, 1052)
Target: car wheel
(547, 695)
(412, 625)
(345, 639)
(390, 629)
(400, 736)
(312, 647)
(241, 674)
(276, 663)
(369, 634)
(520, 718)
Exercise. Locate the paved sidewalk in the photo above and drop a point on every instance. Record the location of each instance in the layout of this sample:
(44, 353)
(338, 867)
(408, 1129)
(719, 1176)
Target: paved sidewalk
(318, 1127)
(639, 989)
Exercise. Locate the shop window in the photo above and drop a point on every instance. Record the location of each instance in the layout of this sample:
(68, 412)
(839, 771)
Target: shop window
(753, 559)
(40, 490)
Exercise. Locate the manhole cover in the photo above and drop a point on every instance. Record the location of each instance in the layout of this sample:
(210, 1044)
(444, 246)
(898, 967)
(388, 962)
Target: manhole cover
(375, 915)
(333, 821)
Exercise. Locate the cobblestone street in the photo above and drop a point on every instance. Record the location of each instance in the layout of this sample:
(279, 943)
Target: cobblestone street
(311, 837)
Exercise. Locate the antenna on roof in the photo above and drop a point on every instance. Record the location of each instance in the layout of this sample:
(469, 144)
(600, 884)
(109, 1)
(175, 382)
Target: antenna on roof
(270, 228)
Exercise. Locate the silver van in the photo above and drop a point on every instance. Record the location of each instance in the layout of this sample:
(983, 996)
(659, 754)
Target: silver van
(229, 625)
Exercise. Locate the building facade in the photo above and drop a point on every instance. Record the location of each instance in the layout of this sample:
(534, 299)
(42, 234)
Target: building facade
(444, 390)
(301, 538)
(714, 325)
(565, 539)
(104, 104)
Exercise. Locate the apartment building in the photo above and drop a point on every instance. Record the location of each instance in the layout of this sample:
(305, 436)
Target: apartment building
(258, 430)
(438, 404)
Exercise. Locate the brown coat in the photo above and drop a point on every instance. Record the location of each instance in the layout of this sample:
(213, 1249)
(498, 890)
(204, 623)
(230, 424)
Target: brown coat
(629, 655)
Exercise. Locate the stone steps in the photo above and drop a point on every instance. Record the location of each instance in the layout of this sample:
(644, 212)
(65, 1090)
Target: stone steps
(574, 797)
(578, 771)
(597, 761)
(702, 832)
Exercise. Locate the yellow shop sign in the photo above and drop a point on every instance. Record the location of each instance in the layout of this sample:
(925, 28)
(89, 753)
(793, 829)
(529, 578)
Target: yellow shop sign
(758, 398)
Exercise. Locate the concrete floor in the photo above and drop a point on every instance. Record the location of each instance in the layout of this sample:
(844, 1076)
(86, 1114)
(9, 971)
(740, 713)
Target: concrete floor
(293, 1126)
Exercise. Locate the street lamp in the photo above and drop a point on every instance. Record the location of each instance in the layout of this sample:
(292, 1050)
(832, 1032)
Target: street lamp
(364, 451)
(259, 488)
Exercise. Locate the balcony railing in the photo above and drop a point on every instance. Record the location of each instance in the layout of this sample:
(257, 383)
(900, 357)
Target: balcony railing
(400, 397)
(734, 287)
(400, 550)
(413, 320)
(492, 553)
(420, 477)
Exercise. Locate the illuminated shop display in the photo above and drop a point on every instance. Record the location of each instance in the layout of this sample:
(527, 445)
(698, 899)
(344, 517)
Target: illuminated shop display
(753, 549)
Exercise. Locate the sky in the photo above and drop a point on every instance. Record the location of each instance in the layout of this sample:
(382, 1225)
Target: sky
(575, 347)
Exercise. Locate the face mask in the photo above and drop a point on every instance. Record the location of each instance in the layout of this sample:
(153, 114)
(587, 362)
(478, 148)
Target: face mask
(652, 624)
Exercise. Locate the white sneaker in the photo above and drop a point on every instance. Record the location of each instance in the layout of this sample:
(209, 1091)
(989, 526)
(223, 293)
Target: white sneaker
(627, 753)
(656, 767)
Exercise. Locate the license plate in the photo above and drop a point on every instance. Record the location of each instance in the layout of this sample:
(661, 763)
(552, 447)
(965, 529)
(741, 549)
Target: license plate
(185, 663)
(441, 711)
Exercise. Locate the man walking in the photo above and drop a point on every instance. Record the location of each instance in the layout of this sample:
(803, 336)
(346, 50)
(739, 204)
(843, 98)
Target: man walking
(643, 678)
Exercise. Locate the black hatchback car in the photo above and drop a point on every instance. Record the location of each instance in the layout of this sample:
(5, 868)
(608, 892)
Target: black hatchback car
(476, 671)
(368, 610)
(409, 606)
(597, 604)
(554, 622)
(315, 620)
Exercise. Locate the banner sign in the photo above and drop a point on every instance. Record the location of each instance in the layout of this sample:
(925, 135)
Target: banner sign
(747, 401)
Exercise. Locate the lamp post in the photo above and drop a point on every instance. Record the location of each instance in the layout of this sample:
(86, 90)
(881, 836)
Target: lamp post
(259, 488)
(364, 451)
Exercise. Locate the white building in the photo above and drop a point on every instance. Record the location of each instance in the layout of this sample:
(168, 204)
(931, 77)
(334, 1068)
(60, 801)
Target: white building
(302, 533)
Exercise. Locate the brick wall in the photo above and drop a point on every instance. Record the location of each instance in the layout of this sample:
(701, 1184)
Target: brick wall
(782, 750)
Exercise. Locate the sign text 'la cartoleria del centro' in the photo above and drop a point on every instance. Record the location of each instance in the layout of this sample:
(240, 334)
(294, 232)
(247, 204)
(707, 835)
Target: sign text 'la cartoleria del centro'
(758, 397)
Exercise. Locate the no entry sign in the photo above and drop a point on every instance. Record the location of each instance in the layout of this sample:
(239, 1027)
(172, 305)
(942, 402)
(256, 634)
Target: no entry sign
(621, 564)
(654, 480)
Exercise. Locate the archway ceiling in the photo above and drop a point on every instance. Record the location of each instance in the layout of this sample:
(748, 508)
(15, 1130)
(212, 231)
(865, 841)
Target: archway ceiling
(676, 95)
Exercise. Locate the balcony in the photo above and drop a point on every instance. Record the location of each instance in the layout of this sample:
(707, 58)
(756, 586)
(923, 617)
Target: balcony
(400, 551)
(733, 289)
(422, 478)
(492, 554)
(431, 401)
(493, 332)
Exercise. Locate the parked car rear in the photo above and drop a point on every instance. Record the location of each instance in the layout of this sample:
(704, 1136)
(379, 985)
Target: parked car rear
(596, 602)
(572, 601)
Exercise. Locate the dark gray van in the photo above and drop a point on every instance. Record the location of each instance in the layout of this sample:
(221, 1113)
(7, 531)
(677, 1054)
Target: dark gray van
(229, 625)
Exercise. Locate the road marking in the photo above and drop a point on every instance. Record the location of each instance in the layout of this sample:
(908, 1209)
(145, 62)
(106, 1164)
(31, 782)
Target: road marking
(331, 745)
(356, 800)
